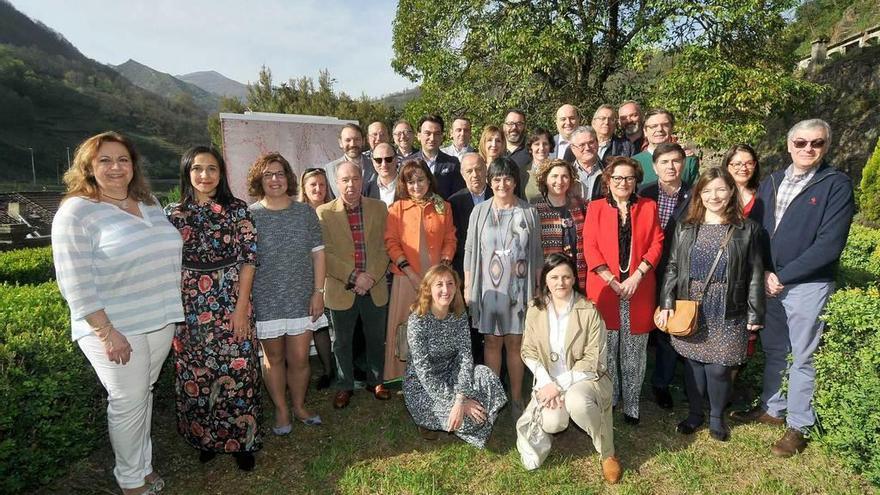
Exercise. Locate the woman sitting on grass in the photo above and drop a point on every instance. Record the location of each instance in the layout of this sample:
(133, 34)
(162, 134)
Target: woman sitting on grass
(443, 390)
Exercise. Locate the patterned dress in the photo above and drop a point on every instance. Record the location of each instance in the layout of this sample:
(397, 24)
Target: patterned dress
(505, 256)
(441, 366)
(717, 340)
(218, 379)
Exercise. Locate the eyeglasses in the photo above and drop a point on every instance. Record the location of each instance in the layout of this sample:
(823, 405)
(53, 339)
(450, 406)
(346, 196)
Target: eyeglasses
(618, 179)
(271, 175)
(742, 165)
(515, 124)
(403, 133)
(582, 147)
(802, 143)
(380, 159)
(604, 119)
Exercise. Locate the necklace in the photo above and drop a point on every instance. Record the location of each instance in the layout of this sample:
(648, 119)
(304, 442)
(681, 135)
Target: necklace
(123, 202)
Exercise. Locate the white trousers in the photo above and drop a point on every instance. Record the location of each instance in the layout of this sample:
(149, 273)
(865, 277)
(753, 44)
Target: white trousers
(130, 399)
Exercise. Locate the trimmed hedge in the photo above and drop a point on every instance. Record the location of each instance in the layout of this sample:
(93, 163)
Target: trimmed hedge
(27, 266)
(51, 398)
(848, 380)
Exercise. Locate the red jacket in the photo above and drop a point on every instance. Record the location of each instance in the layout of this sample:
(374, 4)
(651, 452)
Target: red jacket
(601, 248)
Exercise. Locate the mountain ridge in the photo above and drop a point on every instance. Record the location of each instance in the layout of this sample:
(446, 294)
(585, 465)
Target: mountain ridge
(164, 84)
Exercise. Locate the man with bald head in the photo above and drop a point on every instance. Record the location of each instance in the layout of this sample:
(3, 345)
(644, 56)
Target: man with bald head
(383, 184)
(568, 118)
(631, 124)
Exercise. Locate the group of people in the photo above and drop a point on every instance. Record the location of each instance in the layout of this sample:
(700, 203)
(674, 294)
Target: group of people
(560, 254)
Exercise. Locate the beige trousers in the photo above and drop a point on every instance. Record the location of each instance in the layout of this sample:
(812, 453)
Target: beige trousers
(588, 403)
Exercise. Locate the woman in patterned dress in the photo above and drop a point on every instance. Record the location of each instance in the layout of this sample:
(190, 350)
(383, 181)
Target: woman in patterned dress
(733, 298)
(215, 350)
(562, 213)
(502, 259)
(623, 244)
(443, 390)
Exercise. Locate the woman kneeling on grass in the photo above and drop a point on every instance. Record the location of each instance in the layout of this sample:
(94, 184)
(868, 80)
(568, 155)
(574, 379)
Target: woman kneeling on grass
(443, 389)
(565, 347)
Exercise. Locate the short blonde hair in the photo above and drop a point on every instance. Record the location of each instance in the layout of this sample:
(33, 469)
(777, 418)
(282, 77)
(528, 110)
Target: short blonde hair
(80, 177)
(424, 300)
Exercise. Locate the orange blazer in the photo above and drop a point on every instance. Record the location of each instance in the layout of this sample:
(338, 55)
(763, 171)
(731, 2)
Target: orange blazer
(601, 248)
(402, 234)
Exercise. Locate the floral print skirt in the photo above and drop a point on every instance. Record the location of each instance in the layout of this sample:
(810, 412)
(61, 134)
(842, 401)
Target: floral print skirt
(217, 381)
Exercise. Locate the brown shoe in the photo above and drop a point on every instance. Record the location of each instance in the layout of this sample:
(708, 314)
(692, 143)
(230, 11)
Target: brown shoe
(756, 415)
(428, 434)
(380, 392)
(342, 398)
(611, 469)
(791, 443)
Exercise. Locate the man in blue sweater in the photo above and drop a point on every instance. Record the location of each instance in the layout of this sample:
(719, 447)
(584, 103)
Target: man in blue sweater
(806, 210)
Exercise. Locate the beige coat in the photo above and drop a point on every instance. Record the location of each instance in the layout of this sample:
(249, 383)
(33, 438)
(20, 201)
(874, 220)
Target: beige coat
(585, 338)
(339, 251)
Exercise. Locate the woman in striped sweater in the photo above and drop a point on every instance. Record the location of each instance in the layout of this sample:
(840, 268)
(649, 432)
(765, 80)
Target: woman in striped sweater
(562, 213)
(117, 261)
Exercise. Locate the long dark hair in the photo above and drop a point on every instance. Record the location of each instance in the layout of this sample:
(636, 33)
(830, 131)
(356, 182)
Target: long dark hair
(551, 262)
(745, 148)
(697, 211)
(223, 196)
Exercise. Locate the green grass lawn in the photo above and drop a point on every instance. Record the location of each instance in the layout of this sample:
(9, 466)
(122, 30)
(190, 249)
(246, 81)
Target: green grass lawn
(373, 447)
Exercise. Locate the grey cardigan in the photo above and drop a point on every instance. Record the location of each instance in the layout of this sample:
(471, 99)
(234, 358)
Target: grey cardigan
(472, 259)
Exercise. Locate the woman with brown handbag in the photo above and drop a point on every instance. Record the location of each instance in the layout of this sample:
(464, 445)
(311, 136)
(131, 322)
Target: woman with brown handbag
(715, 256)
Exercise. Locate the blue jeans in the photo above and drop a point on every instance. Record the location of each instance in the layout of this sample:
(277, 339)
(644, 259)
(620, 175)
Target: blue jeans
(792, 325)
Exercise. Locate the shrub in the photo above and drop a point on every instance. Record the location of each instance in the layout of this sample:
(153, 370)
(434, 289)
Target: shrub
(848, 380)
(860, 260)
(27, 266)
(869, 198)
(50, 411)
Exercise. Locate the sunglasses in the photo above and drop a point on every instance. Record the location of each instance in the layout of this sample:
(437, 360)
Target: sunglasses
(315, 170)
(387, 159)
(802, 143)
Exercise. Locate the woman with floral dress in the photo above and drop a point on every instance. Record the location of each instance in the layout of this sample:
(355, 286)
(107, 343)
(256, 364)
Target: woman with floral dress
(215, 350)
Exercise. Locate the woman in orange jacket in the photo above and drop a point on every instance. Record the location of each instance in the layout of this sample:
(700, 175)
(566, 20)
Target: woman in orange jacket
(623, 242)
(419, 234)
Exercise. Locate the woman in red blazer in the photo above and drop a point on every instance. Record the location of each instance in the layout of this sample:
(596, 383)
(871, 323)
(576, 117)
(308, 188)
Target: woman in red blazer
(623, 242)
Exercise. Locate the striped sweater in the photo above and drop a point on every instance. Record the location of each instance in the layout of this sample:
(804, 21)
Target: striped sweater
(551, 232)
(108, 259)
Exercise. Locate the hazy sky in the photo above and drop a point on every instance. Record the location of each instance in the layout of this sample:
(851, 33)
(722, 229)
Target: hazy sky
(292, 37)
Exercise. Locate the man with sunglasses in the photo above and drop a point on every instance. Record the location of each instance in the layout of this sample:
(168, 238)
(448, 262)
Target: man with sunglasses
(383, 184)
(351, 142)
(807, 211)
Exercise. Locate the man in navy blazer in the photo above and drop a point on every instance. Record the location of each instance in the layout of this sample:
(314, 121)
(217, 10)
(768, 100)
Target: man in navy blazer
(444, 167)
(673, 196)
